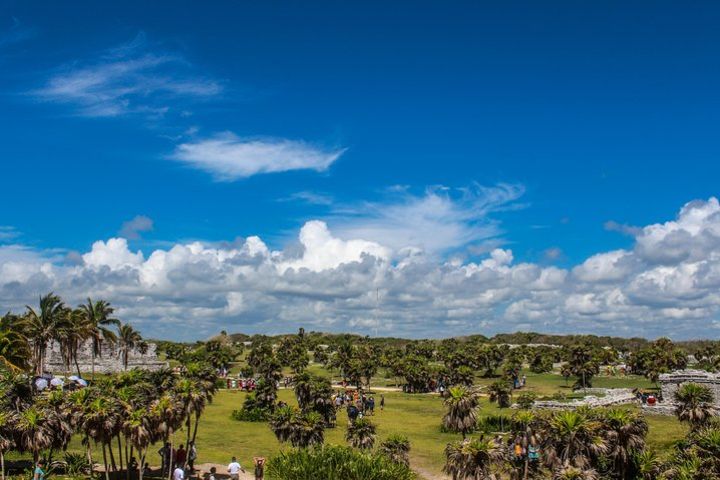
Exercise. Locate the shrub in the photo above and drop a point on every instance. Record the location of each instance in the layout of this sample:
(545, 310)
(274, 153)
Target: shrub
(250, 415)
(526, 400)
(332, 461)
(493, 423)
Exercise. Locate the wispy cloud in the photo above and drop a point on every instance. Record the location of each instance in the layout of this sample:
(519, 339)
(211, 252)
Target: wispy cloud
(8, 232)
(625, 229)
(228, 157)
(18, 32)
(439, 220)
(306, 196)
(132, 229)
(128, 79)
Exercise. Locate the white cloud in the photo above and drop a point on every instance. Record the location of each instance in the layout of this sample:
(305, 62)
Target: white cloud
(128, 79)
(192, 290)
(441, 219)
(228, 157)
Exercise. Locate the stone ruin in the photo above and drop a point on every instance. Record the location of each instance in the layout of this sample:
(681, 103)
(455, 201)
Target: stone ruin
(109, 362)
(597, 397)
(670, 382)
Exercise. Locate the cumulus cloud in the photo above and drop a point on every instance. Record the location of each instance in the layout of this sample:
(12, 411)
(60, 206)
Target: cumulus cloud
(228, 157)
(666, 284)
(132, 229)
(128, 79)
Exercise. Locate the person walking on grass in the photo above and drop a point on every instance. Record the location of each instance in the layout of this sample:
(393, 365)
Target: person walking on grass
(259, 468)
(382, 402)
(180, 456)
(179, 473)
(39, 472)
(192, 456)
(234, 469)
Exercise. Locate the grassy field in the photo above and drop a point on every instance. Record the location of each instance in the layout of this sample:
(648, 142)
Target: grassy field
(415, 415)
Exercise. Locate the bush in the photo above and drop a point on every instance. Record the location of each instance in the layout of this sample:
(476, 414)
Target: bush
(526, 400)
(250, 415)
(332, 461)
(493, 423)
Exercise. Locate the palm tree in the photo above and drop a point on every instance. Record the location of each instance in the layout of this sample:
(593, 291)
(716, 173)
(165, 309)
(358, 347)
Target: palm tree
(34, 432)
(128, 339)
(137, 428)
(462, 404)
(361, 434)
(523, 431)
(694, 404)
(648, 465)
(572, 437)
(98, 317)
(100, 423)
(625, 433)
(500, 392)
(7, 429)
(569, 472)
(397, 448)
(472, 458)
(71, 332)
(14, 349)
(301, 429)
(42, 327)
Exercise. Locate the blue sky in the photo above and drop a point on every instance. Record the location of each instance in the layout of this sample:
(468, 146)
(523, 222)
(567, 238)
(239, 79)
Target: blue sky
(555, 130)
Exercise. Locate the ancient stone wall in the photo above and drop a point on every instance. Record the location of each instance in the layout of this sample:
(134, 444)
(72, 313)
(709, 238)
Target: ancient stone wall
(109, 362)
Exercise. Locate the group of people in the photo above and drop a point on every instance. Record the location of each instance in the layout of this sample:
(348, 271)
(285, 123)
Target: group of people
(358, 404)
(178, 458)
(234, 468)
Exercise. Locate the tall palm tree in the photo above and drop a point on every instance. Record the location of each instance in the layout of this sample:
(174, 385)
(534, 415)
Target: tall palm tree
(138, 429)
(472, 458)
(625, 433)
(100, 422)
(42, 327)
(361, 434)
(462, 404)
(571, 437)
(71, 332)
(128, 340)
(694, 404)
(98, 318)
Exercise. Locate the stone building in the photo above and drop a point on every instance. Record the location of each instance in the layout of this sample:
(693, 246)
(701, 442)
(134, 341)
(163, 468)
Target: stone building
(109, 362)
(670, 382)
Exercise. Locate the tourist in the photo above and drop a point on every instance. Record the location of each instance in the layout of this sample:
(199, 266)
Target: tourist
(39, 472)
(213, 471)
(132, 467)
(180, 456)
(234, 469)
(382, 402)
(178, 473)
(259, 468)
(192, 456)
(146, 470)
(165, 456)
(371, 406)
(524, 379)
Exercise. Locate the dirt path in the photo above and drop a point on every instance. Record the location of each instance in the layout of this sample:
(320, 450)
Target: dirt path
(202, 470)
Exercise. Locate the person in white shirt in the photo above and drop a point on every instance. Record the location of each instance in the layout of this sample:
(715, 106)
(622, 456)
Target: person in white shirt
(178, 474)
(234, 469)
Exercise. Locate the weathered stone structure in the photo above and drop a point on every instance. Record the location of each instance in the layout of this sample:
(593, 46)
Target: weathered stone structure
(598, 397)
(670, 382)
(109, 362)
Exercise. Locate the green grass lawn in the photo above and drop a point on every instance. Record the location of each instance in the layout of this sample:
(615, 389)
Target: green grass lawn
(417, 416)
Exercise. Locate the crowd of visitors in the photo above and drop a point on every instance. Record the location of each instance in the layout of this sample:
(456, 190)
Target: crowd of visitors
(357, 403)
